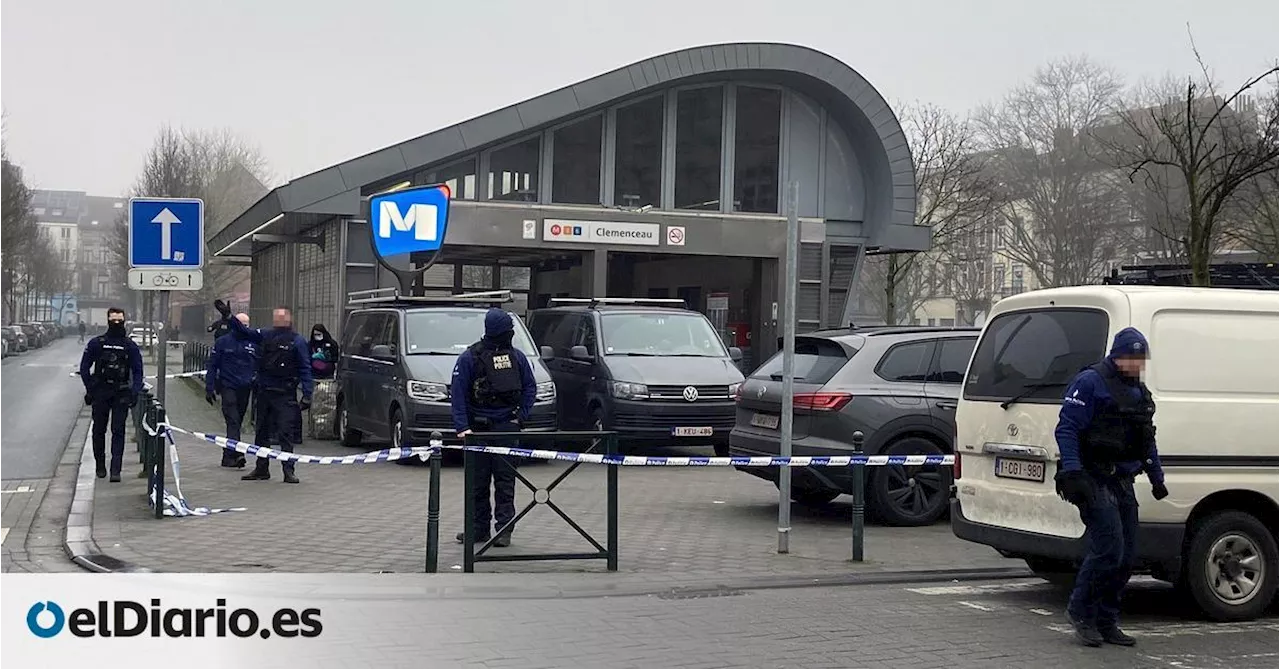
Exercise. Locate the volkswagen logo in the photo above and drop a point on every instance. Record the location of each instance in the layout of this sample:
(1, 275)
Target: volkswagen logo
(760, 392)
(1012, 430)
(690, 394)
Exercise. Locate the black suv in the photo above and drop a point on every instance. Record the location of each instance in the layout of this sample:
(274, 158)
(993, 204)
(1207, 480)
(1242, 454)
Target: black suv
(897, 385)
(649, 369)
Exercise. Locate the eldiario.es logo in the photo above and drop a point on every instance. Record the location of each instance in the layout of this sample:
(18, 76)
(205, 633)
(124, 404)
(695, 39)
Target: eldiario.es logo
(125, 618)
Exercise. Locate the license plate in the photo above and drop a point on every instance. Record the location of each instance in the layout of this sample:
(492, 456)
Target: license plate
(1026, 470)
(692, 431)
(765, 420)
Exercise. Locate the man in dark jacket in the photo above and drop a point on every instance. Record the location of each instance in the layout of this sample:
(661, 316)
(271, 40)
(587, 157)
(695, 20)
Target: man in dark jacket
(493, 390)
(1106, 436)
(111, 388)
(283, 365)
(232, 367)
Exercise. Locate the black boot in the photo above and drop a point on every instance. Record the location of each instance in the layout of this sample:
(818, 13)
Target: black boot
(101, 470)
(1116, 636)
(115, 477)
(290, 478)
(503, 540)
(257, 475)
(1085, 631)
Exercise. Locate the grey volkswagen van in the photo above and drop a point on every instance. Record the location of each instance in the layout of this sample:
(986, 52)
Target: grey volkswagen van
(397, 363)
(649, 369)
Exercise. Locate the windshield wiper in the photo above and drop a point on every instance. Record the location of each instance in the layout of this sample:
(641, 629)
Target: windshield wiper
(433, 353)
(1029, 388)
(637, 354)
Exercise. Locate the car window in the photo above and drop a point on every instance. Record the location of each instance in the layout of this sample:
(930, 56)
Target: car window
(906, 362)
(1036, 352)
(585, 335)
(559, 331)
(370, 333)
(817, 360)
(352, 330)
(952, 359)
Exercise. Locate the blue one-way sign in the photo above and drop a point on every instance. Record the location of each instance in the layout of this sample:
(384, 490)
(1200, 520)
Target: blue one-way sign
(166, 232)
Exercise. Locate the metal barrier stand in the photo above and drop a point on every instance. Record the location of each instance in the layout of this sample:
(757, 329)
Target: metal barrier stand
(433, 508)
(609, 553)
(859, 472)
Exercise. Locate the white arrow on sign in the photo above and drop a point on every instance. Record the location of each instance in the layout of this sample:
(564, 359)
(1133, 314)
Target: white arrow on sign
(166, 219)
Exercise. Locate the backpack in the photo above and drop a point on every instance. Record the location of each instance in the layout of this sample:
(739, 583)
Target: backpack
(278, 359)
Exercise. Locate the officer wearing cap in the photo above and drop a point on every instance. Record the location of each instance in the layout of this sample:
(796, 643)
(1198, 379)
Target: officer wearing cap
(1106, 436)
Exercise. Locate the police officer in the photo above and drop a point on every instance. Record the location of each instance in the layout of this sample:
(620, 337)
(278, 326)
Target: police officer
(111, 389)
(493, 390)
(1106, 437)
(232, 366)
(284, 363)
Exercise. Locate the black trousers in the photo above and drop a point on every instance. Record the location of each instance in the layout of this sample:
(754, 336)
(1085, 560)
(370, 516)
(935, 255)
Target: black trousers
(235, 404)
(486, 468)
(109, 410)
(276, 410)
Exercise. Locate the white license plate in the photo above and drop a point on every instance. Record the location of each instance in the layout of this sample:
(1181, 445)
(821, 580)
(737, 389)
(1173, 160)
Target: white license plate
(765, 420)
(1026, 470)
(692, 431)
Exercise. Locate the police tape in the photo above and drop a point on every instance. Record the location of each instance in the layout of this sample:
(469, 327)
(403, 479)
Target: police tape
(175, 503)
(181, 375)
(391, 454)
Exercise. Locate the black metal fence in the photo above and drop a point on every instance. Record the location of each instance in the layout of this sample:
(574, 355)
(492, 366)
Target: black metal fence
(195, 356)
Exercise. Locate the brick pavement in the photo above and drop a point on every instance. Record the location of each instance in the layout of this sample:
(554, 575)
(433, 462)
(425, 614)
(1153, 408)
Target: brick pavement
(370, 518)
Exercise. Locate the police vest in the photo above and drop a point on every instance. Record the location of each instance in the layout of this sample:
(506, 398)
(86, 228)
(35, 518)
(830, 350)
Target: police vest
(279, 360)
(1120, 430)
(497, 383)
(111, 370)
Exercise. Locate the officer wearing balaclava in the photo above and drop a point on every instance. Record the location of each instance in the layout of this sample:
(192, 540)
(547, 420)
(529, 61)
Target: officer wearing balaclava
(111, 370)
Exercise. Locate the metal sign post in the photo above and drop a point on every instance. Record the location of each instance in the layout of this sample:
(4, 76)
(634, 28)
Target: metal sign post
(788, 365)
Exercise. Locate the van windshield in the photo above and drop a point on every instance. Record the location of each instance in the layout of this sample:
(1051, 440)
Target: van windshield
(451, 331)
(1032, 355)
(661, 334)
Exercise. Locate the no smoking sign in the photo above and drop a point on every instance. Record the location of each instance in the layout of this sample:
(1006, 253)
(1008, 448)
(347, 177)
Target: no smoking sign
(675, 235)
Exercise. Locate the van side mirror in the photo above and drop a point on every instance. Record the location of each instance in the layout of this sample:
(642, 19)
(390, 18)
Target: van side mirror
(381, 351)
(580, 353)
(546, 353)
(735, 354)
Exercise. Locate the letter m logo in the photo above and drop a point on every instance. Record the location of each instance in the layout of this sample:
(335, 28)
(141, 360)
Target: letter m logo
(421, 218)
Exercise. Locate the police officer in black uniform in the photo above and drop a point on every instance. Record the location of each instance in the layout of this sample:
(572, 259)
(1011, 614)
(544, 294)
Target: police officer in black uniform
(1106, 436)
(284, 364)
(111, 388)
(233, 365)
(493, 390)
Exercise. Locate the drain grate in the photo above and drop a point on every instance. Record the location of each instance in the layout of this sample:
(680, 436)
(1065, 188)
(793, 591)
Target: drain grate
(700, 593)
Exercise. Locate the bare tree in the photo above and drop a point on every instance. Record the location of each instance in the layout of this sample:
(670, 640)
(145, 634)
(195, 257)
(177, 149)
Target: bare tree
(1253, 218)
(1197, 149)
(1064, 211)
(967, 262)
(954, 191)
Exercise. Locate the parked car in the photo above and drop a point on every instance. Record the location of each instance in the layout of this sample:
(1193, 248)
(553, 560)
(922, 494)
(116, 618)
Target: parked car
(897, 385)
(4, 347)
(396, 367)
(35, 338)
(653, 371)
(143, 337)
(1213, 374)
(55, 329)
(19, 338)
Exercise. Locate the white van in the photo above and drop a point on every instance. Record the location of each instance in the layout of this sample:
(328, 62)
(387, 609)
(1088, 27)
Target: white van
(1215, 356)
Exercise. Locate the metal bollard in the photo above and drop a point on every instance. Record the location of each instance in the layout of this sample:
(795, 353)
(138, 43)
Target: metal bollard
(433, 504)
(468, 512)
(859, 472)
(158, 443)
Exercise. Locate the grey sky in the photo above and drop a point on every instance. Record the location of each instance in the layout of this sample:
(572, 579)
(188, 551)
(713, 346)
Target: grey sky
(87, 83)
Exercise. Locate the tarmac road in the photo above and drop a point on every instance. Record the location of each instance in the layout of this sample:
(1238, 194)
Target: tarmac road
(39, 403)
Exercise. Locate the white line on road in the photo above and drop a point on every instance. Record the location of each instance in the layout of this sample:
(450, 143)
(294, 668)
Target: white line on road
(1012, 586)
(1042, 612)
(977, 606)
(4, 534)
(21, 488)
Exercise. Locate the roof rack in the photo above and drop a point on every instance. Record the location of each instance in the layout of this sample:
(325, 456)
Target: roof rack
(613, 301)
(1258, 276)
(392, 297)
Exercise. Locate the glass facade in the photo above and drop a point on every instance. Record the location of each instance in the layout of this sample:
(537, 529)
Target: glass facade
(575, 162)
(637, 177)
(756, 147)
(513, 171)
(460, 177)
(699, 120)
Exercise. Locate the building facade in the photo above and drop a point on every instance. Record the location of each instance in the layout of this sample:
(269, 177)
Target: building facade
(84, 230)
(666, 178)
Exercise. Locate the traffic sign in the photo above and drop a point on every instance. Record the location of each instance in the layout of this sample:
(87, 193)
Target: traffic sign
(166, 279)
(166, 233)
(409, 221)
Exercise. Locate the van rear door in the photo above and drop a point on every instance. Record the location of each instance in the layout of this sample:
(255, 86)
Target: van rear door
(1005, 421)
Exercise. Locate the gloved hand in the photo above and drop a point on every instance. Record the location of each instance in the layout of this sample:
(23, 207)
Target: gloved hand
(208, 397)
(88, 399)
(223, 308)
(133, 400)
(1159, 491)
(1075, 487)
(305, 404)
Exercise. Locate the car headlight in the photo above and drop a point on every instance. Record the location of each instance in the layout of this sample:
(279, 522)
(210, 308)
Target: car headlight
(629, 391)
(428, 392)
(733, 389)
(546, 392)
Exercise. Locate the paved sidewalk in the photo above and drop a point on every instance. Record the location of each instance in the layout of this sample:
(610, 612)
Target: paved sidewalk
(371, 518)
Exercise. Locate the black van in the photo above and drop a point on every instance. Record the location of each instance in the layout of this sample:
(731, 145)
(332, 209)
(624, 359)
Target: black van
(397, 363)
(649, 369)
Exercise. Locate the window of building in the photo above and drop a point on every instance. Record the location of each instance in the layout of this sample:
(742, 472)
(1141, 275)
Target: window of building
(575, 162)
(638, 165)
(1016, 286)
(513, 171)
(699, 116)
(756, 146)
(460, 177)
(997, 278)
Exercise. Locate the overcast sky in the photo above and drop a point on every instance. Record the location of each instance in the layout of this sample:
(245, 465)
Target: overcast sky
(86, 84)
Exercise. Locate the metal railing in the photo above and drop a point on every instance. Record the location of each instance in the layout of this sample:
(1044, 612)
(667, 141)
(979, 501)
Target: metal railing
(195, 356)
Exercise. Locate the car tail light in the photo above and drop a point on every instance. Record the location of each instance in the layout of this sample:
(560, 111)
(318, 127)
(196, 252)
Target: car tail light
(955, 467)
(821, 401)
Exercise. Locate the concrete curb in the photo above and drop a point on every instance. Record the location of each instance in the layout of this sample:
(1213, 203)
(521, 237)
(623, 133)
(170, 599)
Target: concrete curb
(78, 541)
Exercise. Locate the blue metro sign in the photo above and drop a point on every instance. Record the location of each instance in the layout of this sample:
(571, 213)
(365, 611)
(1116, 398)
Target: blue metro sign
(409, 221)
(166, 233)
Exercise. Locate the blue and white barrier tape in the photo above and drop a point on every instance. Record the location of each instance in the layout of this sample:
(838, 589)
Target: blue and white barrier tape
(384, 455)
(175, 504)
(180, 375)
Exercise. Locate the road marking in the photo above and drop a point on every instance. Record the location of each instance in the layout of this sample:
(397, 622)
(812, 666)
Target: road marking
(977, 606)
(21, 488)
(1186, 629)
(1013, 586)
(4, 534)
(1205, 661)
(1042, 612)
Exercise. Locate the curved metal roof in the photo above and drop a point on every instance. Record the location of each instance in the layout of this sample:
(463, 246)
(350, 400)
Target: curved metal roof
(872, 127)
